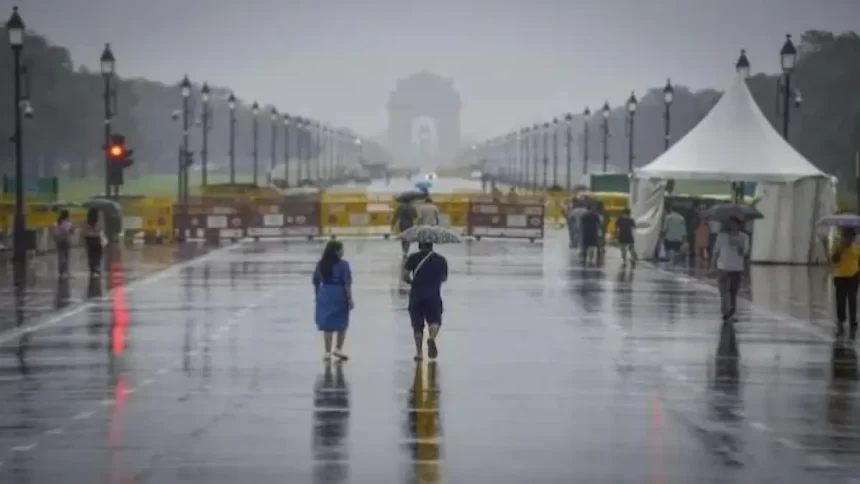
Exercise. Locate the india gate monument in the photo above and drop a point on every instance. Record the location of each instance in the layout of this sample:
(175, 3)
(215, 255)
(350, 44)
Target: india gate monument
(423, 121)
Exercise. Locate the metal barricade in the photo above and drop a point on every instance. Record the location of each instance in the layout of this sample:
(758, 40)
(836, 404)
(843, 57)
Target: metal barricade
(210, 220)
(298, 217)
(504, 220)
(345, 215)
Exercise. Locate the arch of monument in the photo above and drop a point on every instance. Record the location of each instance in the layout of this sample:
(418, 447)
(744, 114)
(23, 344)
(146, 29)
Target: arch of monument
(424, 121)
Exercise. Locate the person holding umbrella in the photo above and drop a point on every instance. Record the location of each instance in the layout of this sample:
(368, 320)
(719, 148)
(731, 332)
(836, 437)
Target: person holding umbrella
(730, 252)
(425, 271)
(845, 259)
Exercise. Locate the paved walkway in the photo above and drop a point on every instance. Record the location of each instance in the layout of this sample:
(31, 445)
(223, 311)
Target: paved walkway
(211, 372)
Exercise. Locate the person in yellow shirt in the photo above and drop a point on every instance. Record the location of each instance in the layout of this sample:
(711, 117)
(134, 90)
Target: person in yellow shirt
(846, 265)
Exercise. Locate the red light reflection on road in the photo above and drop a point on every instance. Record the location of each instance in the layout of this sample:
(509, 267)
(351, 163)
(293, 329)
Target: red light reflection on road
(120, 308)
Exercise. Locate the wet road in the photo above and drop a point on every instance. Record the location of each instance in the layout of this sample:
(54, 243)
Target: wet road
(549, 372)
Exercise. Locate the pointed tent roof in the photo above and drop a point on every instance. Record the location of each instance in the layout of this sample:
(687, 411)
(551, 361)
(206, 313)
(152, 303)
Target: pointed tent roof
(734, 143)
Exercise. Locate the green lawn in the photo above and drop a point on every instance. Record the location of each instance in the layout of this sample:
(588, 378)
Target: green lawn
(157, 185)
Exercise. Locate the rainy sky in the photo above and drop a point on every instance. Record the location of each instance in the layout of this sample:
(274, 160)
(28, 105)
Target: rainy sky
(513, 61)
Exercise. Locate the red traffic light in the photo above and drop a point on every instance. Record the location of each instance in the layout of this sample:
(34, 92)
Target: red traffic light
(117, 152)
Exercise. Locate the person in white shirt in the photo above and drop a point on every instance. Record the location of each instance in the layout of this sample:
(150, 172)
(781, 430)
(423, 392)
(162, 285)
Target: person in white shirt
(730, 254)
(674, 234)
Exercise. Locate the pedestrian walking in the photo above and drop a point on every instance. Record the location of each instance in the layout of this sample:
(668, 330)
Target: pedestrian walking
(425, 271)
(730, 252)
(428, 213)
(403, 218)
(332, 281)
(674, 235)
(589, 234)
(625, 227)
(845, 257)
(93, 241)
(62, 240)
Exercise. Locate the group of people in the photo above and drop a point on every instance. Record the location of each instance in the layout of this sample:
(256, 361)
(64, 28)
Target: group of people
(91, 234)
(587, 225)
(424, 271)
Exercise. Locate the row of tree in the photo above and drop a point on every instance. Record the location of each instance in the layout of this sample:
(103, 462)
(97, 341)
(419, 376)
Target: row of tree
(825, 128)
(65, 136)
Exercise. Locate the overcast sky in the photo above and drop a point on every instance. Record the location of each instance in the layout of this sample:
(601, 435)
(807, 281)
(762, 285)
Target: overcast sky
(513, 61)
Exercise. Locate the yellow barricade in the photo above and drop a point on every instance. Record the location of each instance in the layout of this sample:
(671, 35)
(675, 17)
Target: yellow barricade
(342, 215)
(149, 218)
(453, 209)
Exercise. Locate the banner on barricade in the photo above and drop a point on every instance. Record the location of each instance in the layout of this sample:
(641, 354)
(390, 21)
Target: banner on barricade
(504, 220)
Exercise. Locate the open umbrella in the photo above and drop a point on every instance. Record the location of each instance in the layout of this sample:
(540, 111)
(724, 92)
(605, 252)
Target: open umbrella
(724, 211)
(424, 185)
(432, 234)
(843, 220)
(410, 196)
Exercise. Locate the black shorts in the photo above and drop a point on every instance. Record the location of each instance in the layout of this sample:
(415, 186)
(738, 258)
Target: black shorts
(672, 245)
(425, 311)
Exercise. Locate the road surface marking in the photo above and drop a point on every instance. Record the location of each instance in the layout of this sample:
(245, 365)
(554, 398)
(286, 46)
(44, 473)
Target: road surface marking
(24, 448)
(12, 334)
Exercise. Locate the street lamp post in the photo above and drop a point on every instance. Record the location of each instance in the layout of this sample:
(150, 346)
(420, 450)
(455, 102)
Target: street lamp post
(300, 148)
(15, 29)
(108, 67)
(668, 98)
(788, 60)
(632, 102)
(526, 156)
(742, 67)
(275, 117)
(231, 103)
(535, 155)
(568, 145)
(204, 152)
(255, 110)
(605, 136)
(185, 91)
(286, 150)
(545, 155)
(585, 128)
(555, 152)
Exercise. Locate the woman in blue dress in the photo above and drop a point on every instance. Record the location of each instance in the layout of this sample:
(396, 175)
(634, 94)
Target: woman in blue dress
(333, 287)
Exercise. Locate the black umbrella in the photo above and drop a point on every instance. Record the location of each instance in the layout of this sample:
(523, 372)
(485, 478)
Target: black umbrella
(409, 196)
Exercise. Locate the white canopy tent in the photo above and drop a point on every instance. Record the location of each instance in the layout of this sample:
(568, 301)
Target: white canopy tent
(736, 143)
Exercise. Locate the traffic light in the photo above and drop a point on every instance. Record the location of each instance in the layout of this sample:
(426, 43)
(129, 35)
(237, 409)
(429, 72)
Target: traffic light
(120, 158)
(188, 160)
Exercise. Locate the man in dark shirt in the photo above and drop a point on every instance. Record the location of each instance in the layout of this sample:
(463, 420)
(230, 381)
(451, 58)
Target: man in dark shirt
(589, 233)
(425, 270)
(403, 218)
(624, 228)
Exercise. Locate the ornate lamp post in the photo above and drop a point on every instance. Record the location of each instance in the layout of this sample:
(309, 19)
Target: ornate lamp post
(185, 91)
(275, 117)
(605, 112)
(286, 150)
(788, 60)
(204, 115)
(585, 142)
(108, 67)
(255, 111)
(632, 102)
(668, 98)
(15, 29)
(231, 103)
(545, 155)
(568, 145)
(555, 152)
(535, 155)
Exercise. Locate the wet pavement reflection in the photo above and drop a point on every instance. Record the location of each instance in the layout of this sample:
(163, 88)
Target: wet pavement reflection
(210, 371)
